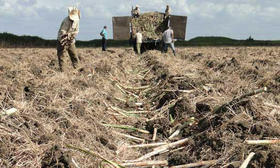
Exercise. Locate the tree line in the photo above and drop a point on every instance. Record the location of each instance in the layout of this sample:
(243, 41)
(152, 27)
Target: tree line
(8, 40)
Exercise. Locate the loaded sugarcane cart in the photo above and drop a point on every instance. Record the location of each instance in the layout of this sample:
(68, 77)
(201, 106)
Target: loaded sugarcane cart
(151, 25)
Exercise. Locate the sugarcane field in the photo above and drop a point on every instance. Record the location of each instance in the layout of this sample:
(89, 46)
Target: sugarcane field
(121, 101)
(142, 94)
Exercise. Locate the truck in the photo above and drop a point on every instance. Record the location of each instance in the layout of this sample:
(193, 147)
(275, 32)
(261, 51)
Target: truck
(152, 25)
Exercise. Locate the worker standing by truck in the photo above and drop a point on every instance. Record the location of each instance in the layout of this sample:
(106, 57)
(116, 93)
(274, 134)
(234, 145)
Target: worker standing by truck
(167, 12)
(168, 40)
(139, 38)
(135, 12)
(104, 36)
(67, 33)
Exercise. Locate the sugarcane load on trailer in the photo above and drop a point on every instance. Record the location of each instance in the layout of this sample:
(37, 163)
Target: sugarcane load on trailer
(151, 25)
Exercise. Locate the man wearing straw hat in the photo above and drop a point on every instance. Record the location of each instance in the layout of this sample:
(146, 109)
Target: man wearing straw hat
(69, 29)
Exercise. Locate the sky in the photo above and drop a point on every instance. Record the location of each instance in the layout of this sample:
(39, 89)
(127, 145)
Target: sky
(236, 19)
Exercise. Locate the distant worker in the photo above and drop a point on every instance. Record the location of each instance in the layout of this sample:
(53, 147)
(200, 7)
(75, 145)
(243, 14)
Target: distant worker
(168, 40)
(135, 12)
(69, 29)
(132, 39)
(167, 11)
(104, 35)
(139, 38)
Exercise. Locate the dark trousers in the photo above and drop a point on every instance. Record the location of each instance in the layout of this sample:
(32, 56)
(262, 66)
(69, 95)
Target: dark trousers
(136, 15)
(134, 44)
(104, 44)
(61, 51)
(171, 45)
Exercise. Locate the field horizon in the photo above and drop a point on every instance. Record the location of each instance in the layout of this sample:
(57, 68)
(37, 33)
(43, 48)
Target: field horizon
(9, 40)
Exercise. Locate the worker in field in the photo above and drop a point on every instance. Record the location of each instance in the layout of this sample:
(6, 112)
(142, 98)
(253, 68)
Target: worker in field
(132, 40)
(104, 36)
(139, 38)
(167, 12)
(135, 12)
(67, 33)
(168, 40)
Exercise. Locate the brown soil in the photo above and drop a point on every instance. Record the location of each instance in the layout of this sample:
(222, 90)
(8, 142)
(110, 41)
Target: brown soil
(57, 108)
(55, 157)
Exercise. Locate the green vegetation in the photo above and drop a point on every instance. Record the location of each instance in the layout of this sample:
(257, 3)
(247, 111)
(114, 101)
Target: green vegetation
(11, 40)
(224, 41)
(97, 43)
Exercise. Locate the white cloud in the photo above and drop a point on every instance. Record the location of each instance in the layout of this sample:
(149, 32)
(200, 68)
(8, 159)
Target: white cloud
(242, 10)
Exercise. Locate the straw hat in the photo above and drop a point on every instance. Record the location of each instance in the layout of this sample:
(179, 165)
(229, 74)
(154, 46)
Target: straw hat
(74, 13)
(137, 6)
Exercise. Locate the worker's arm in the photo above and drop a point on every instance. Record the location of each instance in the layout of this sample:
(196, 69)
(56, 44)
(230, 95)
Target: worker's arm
(64, 27)
(102, 33)
(172, 36)
(76, 30)
(67, 32)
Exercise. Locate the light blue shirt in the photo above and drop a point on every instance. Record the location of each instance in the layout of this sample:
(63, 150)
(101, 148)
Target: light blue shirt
(105, 34)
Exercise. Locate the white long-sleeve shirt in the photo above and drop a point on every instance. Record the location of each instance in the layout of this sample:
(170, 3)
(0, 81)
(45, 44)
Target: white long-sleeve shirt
(68, 26)
(168, 36)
